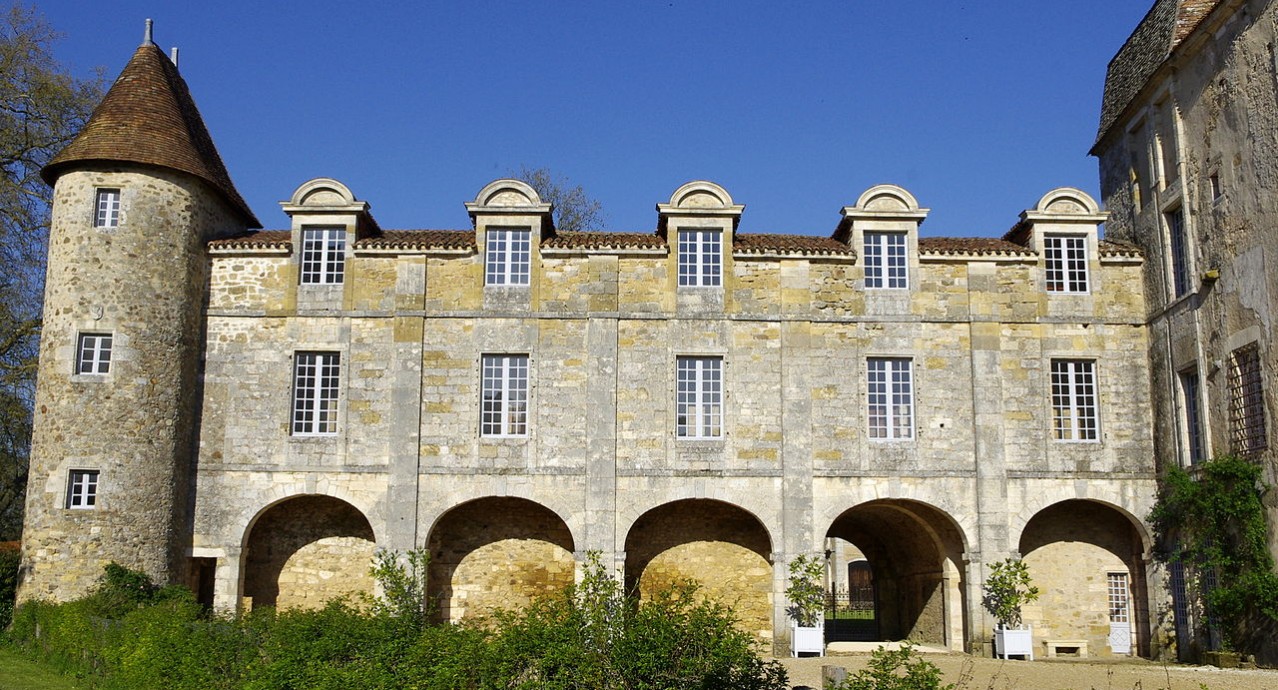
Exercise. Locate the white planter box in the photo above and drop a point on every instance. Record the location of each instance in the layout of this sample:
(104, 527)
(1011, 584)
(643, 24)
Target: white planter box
(1014, 642)
(807, 639)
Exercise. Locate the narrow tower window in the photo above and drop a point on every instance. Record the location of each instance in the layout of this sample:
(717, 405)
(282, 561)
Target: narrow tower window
(93, 355)
(107, 209)
(82, 490)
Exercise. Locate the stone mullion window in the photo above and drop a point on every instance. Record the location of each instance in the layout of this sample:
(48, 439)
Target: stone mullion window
(107, 209)
(505, 396)
(699, 397)
(885, 264)
(700, 258)
(93, 354)
(1179, 252)
(323, 255)
(82, 490)
(508, 256)
(316, 391)
(890, 398)
(1074, 400)
(1191, 393)
(1246, 402)
(1066, 264)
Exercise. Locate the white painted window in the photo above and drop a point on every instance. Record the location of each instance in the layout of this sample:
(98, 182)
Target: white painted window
(1066, 262)
(1119, 599)
(885, 265)
(82, 490)
(106, 212)
(700, 258)
(93, 354)
(1191, 398)
(1181, 282)
(316, 388)
(323, 255)
(699, 397)
(1074, 400)
(505, 396)
(507, 256)
(890, 394)
(1246, 402)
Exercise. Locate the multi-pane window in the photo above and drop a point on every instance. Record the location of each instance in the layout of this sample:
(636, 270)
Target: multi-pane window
(891, 397)
(1191, 397)
(700, 260)
(106, 209)
(1066, 261)
(1179, 252)
(1074, 400)
(1119, 598)
(93, 354)
(323, 255)
(1246, 402)
(507, 256)
(316, 386)
(885, 260)
(82, 489)
(699, 397)
(505, 396)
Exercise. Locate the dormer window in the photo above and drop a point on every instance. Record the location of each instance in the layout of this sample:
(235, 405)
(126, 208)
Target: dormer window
(323, 256)
(885, 264)
(700, 258)
(107, 209)
(507, 256)
(1066, 263)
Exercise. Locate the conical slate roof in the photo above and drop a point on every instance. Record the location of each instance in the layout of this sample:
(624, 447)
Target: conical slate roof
(148, 117)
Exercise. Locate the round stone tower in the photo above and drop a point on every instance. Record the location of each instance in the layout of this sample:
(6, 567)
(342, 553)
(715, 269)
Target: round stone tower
(137, 195)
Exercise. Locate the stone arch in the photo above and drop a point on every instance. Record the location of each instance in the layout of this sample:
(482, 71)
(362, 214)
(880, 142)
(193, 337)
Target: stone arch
(306, 550)
(722, 547)
(322, 191)
(507, 192)
(1040, 500)
(1077, 552)
(1067, 200)
(497, 552)
(700, 194)
(887, 197)
(916, 553)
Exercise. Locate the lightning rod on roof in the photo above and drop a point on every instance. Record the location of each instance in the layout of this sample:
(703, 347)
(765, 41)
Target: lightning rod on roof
(146, 38)
(173, 55)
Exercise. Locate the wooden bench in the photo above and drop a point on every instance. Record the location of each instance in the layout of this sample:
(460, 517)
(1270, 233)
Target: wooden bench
(1054, 647)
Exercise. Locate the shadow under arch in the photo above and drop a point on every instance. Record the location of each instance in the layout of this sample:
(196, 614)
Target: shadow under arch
(305, 550)
(916, 556)
(497, 552)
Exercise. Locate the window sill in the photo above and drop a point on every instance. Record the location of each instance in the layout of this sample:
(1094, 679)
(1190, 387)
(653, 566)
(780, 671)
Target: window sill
(90, 378)
(313, 438)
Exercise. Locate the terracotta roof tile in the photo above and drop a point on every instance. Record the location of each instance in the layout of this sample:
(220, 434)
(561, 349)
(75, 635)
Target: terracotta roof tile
(1116, 248)
(419, 239)
(148, 117)
(604, 240)
(262, 239)
(981, 246)
(752, 243)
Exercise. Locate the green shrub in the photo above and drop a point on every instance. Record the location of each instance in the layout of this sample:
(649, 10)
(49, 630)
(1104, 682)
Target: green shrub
(902, 669)
(9, 559)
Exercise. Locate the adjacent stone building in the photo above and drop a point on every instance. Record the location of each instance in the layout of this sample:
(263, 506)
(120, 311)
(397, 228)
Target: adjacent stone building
(254, 412)
(1188, 150)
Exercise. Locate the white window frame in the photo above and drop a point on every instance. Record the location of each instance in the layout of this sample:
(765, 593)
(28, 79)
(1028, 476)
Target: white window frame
(889, 397)
(886, 262)
(1191, 402)
(699, 397)
(317, 380)
(82, 489)
(700, 257)
(507, 256)
(106, 208)
(1065, 260)
(1178, 241)
(93, 354)
(323, 256)
(504, 401)
(1119, 596)
(1074, 397)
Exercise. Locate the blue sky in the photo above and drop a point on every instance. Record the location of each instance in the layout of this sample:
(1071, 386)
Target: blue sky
(977, 108)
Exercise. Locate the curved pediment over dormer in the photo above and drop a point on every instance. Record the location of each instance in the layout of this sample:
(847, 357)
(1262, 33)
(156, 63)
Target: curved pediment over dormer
(885, 204)
(1067, 200)
(887, 198)
(699, 198)
(322, 192)
(509, 197)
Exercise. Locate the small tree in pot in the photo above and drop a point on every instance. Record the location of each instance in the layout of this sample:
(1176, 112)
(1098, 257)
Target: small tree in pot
(807, 605)
(1007, 589)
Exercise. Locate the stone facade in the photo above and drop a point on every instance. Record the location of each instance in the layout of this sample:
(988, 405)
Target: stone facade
(1187, 159)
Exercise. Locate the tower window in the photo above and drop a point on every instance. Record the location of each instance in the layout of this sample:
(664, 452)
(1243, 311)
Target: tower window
(82, 490)
(323, 255)
(107, 209)
(1179, 252)
(93, 354)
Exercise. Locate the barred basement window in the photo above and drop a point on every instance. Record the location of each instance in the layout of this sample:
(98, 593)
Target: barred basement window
(1074, 400)
(507, 256)
(505, 396)
(323, 255)
(700, 261)
(1246, 402)
(316, 380)
(699, 397)
(93, 354)
(82, 490)
(885, 260)
(107, 209)
(1066, 263)
(890, 395)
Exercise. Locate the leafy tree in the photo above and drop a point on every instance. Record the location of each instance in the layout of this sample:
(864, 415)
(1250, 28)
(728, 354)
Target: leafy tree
(41, 109)
(574, 210)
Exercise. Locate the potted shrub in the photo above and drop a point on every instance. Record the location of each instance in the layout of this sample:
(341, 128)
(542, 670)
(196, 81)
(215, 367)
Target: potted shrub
(1007, 588)
(807, 605)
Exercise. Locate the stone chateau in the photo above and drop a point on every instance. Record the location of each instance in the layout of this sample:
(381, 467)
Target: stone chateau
(254, 412)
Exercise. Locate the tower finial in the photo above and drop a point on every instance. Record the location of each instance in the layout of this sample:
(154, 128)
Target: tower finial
(146, 38)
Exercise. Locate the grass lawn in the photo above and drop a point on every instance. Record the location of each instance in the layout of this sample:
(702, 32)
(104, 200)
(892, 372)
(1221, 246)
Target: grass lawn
(16, 673)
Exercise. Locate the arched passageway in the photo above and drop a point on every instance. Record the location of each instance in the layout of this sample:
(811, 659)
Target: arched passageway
(912, 567)
(723, 548)
(1087, 560)
(305, 551)
(497, 553)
